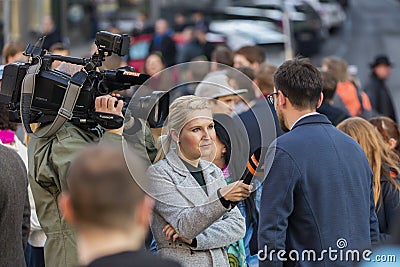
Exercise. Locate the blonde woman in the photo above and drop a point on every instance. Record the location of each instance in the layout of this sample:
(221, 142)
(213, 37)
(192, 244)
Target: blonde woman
(384, 165)
(194, 218)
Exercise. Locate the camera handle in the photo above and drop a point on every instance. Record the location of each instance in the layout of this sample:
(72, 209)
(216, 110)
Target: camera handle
(64, 113)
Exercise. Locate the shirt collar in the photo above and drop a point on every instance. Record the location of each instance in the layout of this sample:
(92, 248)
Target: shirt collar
(302, 117)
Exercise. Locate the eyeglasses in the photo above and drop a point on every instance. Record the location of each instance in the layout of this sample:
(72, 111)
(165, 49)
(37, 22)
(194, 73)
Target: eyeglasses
(271, 98)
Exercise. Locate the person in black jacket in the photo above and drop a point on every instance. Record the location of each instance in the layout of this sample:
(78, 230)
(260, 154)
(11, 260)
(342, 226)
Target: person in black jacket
(334, 114)
(376, 89)
(162, 42)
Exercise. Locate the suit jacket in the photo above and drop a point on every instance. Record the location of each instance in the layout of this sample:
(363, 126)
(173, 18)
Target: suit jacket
(317, 193)
(182, 203)
(14, 208)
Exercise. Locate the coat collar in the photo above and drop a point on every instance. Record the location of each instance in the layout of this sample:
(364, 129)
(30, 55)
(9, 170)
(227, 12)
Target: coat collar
(174, 161)
(186, 183)
(315, 118)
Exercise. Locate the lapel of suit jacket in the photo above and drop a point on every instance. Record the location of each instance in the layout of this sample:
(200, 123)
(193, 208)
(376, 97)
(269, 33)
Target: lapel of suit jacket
(185, 182)
(211, 177)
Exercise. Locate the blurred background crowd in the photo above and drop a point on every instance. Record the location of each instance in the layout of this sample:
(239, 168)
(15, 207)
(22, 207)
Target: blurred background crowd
(355, 31)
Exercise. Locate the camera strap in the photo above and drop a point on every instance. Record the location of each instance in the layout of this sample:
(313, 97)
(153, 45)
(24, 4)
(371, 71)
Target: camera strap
(64, 113)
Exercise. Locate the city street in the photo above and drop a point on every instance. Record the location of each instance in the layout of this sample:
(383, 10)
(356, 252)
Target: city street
(372, 28)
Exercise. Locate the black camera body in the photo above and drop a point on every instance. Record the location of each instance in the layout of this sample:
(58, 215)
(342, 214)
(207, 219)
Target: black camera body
(51, 85)
(115, 43)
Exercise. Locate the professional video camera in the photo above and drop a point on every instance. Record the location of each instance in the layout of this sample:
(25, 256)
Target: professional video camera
(36, 93)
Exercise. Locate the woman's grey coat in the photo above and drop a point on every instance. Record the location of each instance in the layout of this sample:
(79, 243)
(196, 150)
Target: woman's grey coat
(182, 203)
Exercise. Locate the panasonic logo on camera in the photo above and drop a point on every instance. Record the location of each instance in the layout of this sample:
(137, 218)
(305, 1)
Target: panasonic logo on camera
(106, 117)
(130, 73)
(41, 99)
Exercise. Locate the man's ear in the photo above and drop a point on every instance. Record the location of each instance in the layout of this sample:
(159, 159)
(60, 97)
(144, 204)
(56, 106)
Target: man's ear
(144, 211)
(64, 202)
(321, 99)
(281, 99)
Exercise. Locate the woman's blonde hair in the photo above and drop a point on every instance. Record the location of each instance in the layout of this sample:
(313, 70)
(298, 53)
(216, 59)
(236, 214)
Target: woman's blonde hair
(179, 112)
(380, 157)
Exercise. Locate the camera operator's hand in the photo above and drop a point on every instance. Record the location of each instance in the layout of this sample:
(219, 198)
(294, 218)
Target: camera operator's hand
(235, 192)
(110, 104)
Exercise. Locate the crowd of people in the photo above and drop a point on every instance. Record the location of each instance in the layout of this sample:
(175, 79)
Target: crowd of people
(253, 159)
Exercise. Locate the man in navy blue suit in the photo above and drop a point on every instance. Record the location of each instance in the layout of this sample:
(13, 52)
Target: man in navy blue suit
(317, 200)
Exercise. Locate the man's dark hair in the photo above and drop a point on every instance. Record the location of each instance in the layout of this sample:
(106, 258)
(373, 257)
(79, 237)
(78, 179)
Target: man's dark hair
(329, 85)
(300, 81)
(103, 192)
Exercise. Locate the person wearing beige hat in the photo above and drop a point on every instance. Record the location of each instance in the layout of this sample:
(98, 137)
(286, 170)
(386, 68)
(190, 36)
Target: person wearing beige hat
(220, 90)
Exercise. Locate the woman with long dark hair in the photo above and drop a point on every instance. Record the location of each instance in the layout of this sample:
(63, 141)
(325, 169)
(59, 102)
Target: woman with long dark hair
(230, 141)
